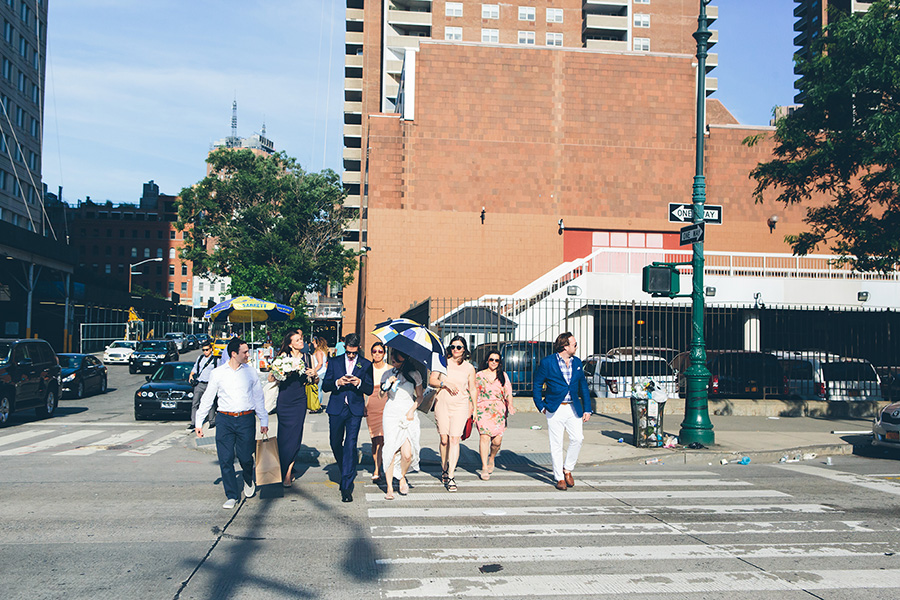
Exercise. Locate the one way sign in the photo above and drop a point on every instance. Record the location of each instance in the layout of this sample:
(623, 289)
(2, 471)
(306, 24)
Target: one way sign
(684, 213)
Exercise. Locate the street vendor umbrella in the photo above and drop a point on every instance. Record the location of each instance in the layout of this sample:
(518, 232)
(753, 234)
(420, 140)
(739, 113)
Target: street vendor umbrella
(419, 343)
(245, 309)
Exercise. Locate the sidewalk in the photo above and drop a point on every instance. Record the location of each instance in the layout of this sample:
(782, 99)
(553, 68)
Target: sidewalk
(762, 439)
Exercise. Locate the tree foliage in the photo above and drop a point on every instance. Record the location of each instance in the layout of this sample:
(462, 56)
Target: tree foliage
(844, 141)
(271, 227)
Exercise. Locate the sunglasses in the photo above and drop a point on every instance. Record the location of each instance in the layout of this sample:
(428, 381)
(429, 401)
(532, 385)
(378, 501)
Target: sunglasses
(496, 360)
(207, 348)
(457, 347)
(377, 351)
(351, 353)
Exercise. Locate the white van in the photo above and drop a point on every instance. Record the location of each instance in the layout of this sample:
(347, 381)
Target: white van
(825, 376)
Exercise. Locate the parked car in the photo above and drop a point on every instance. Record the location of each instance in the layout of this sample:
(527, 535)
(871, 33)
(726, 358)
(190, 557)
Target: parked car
(886, 426)
(81, 374)
(613, 376)
(150, 354)
(736, 374)
(118, 352)
(520, 360)
(666, 353)
(29, 378)
(179, 338)
(890, 382)
(202, 337)
(192, 342)
(824, 376)
(168, 393)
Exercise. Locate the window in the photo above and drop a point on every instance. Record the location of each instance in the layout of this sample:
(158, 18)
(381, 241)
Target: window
(159, 269)
(554, 39)
(171, 235)
(159, 234)
(490, 11)
(453, 9)
(159, 253)
(15, 190)
(641, 44)
(21, 82)
(32, 161)
(146, 252)
(134, 253)
(183, 287)
(200, 289)
(121, 233)
(171, 286)
(490, 36)
(642, 1)
(641, 20)
(34, 93)
(23, 47)
(34, 127)
(526, 13)
(18, 154)
(526, 37)
(121, 267)
(121, 250)
(2, 180)
(171, 269)
(222, 288)
(147, 234)
(554, 15)
(36, 60)
(24, 12)
(20, 117)
(108, 269)
(453, 34)
(184, 269)
(7, 31)
(7, 69)
(171, 253)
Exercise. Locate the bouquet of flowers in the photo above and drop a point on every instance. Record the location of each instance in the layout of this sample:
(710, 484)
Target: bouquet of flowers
(284, 365)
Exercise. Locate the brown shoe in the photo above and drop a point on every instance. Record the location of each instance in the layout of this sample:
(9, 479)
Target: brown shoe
(561, 485)
(570, 481)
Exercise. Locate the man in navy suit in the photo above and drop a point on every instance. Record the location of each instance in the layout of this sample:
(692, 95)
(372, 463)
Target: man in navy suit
(349, 379)
(567, 404)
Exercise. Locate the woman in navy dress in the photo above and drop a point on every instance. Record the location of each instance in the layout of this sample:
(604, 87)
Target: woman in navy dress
(291, 404)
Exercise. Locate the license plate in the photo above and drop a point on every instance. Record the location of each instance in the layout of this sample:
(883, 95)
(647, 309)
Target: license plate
(146, 364)
(892, 435)
(853, 393)
(167, 404)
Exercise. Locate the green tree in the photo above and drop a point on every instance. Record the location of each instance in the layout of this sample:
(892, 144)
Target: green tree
(844, 142)
(269, 225)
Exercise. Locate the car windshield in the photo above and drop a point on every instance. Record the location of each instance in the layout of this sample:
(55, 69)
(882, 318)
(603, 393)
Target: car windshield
(173, 336)
(123, 344)
(643, 368)
(69, 362)
(848, 371)
(172, 372)
(4, 352)
(151, 347)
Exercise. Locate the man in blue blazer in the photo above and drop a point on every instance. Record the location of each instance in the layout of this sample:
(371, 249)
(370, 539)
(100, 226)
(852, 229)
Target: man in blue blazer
(349, 380)
(567, 404)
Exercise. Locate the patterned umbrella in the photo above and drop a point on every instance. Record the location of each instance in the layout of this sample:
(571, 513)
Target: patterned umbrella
(245, 309)
(414, 340)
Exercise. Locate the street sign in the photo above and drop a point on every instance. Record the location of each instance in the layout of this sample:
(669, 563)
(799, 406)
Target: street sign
(684, 213)
(692, 233)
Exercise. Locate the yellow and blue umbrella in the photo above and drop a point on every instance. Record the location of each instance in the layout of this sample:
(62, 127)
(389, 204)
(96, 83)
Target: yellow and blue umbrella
(245, 309)
(414, 340)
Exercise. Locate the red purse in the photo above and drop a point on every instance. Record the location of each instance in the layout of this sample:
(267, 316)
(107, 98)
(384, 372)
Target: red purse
(467, 430)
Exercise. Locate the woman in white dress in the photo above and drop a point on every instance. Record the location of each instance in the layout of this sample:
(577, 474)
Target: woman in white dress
(402, 386)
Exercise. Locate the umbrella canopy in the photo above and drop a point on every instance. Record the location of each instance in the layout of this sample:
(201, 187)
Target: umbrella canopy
(414, 340)
(245, 309)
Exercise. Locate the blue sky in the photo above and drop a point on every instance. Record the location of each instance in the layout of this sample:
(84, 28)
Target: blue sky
(139, 90)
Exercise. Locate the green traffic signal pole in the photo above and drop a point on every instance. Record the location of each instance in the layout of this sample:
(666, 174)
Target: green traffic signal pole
(696, 426)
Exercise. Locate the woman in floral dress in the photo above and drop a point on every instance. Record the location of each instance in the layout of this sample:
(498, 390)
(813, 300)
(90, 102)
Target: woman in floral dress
(493, 405)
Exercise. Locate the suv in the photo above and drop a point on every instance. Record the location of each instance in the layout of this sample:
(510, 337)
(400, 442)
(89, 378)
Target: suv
(520, 360)
(823, 376)
(150, 354)
(612, 376)
(736, 374)
(179, 338)
(29, 378)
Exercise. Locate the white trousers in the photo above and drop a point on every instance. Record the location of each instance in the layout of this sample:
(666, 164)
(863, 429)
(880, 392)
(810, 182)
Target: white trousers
(564, 420)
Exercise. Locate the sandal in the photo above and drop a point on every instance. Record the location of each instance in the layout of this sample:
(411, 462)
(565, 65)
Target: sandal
(451, 485)
(444, 477)
(485, 475)
(404, 487)
(389, 497)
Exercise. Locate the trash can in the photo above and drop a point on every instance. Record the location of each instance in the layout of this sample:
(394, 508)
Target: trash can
(647, 408)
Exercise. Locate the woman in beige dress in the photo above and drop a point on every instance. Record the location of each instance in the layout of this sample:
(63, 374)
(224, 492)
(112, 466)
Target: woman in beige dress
(375, 406)
(454, 404)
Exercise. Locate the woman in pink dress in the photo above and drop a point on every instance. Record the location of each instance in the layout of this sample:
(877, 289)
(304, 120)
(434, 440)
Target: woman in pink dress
(375, 407)
(493, 405)
(454, 404)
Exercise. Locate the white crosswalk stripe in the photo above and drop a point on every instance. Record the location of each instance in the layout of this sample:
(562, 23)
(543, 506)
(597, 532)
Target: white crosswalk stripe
(675, 533)
(104, 444)
(78, 442)
(156, 446)
(59, 440)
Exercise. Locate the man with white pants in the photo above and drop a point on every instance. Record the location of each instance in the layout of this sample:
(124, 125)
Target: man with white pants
(567, 404)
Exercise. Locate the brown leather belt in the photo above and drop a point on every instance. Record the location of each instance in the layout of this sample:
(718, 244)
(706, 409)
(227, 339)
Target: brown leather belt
(237, 414)
(564, 403)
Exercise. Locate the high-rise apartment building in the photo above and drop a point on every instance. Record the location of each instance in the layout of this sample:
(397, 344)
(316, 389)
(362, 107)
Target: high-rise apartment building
(812, 17)
(23, 55)
(381, 34)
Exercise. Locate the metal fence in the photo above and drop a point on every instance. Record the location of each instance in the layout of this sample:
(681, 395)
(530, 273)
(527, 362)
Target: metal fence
(798, 340)
(95, 337)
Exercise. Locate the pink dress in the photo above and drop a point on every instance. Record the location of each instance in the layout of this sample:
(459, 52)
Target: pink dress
(452, 412)
(494, 404)
(375, 403)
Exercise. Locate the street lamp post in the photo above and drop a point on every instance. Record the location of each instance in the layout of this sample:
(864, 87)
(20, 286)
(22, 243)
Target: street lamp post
(137, 264)
(696, 426)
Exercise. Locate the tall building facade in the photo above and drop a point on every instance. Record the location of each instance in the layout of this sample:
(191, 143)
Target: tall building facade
(23, 54)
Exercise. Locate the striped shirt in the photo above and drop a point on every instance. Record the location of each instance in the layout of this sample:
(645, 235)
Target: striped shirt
(566, 369)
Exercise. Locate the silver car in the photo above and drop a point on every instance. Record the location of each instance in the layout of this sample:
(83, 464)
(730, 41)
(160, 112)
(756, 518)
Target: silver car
(886, 427)
(613, 376)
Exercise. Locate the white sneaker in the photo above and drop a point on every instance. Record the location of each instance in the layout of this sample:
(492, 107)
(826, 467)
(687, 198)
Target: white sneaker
(249, 490)
(229, 503)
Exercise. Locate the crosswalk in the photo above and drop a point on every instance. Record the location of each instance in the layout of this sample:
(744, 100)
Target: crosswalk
(91, 440)
(634, 533)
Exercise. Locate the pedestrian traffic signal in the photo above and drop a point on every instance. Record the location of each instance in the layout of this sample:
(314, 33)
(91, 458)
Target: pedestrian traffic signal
(661, 280)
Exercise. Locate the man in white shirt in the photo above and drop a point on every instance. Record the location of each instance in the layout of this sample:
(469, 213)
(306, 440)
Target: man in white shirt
(240, 396)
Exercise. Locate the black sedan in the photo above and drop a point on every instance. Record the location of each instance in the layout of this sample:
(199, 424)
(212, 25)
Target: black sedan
(82, 374)
(150, 354)
(167, 394)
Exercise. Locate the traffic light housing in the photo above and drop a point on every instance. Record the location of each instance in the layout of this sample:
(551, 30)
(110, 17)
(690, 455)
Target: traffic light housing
(661, 280)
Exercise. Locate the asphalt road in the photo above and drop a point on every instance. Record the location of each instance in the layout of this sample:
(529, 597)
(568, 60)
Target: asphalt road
(96, 505)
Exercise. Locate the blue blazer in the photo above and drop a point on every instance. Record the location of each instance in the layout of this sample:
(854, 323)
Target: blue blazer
(549, 373)
(354, 396)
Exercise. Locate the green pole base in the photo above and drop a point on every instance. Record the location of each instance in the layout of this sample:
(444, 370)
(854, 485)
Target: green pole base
(689, 435)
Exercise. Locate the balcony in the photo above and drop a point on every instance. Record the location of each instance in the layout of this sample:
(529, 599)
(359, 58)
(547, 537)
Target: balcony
(353, 84)
(391, 87)
(613, 45)
(352, 154)
(712, 84)
(404, 41)
(354, 108)
(712, 13)
(353, 60)
(353, 131)
(405, 17)
(606, 22)
(352, 201)
(393, 67)
(354, 37)
(712, 61)
(713, 38)
(801, 9)
(350, 177)
(355, 14)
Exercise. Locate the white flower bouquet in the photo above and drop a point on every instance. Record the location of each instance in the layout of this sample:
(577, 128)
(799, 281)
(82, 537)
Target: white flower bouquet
(284, 365)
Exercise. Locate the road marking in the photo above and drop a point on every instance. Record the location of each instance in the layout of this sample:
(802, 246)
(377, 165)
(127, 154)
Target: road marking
(493, 483)
(23, 435)
(666, 584)
(579, 496)
(626, 553)
(885, 486)
(155, 446)
(593, 511)
(593, 472)
(618, 529)
(113, 440)
(50, 442)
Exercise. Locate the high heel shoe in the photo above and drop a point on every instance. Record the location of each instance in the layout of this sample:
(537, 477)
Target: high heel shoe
(444, 477)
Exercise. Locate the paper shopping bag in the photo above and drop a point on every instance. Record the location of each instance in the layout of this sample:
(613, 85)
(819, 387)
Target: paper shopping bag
(268, 466)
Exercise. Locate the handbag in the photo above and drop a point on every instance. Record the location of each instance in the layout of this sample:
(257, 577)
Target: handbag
(268, 465)
(428, 399)
(312, 397)
(467, 429)
(270, 395)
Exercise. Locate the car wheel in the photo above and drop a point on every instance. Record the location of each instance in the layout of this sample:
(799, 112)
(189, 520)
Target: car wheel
(104, 385)
(131, 369)
(5, 410)
(79, 391)
(49, 406)
(138, 416)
